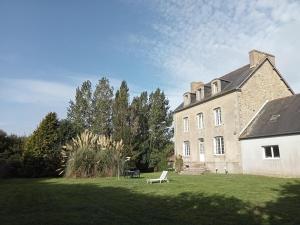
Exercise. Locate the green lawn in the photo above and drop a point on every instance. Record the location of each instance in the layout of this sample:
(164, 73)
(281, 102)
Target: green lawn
(206, 199)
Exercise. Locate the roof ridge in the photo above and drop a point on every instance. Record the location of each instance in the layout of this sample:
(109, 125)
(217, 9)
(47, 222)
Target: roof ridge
(233, 71)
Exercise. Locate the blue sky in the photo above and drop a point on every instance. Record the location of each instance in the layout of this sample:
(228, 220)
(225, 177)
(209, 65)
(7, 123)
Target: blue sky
(47, 48)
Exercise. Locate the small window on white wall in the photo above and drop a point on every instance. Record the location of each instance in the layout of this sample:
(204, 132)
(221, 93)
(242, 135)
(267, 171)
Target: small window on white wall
(200, 124)
(217, 116)
(185, 124)
(219, 145)
(271, 152)
(186, 148)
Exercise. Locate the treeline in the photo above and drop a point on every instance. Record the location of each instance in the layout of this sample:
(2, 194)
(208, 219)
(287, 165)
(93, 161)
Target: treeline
(143, 125)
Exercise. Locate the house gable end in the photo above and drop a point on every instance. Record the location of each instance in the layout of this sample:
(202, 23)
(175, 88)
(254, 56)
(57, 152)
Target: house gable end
(274, 68)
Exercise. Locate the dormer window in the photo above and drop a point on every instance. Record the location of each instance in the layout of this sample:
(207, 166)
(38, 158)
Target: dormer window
(200, 94)
(187, 98)
(215, 87)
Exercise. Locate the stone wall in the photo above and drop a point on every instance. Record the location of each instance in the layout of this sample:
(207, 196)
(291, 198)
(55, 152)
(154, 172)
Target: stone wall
(229, 130)
(265, 84)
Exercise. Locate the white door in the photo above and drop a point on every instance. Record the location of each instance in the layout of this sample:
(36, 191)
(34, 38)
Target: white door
(201, 152)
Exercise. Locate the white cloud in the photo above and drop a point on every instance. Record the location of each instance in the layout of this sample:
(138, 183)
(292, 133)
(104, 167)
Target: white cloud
(35, 91)
(200, 40)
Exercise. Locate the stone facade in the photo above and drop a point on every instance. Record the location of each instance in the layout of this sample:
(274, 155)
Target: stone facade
(264, 85)
(237, 108)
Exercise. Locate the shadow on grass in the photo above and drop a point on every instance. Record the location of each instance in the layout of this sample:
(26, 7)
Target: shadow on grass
(286, 210)
(57, 203)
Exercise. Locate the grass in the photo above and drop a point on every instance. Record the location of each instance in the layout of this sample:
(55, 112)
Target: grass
(206, 199)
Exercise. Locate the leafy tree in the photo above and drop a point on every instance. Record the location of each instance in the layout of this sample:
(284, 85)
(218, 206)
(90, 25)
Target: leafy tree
(160, 121)
(79, 112)
(42, 149)
(139, 112)
(11, 149)
(120, 117)
(102, 108)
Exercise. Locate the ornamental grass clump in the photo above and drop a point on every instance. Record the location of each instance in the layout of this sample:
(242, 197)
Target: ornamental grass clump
(92, 155)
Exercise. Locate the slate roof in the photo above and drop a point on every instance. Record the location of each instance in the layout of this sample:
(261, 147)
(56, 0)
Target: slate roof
(278, 117)
(229, 82)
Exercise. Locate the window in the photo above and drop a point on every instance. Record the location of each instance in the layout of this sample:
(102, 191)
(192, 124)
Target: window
(271, 152)
(219, 145)
(215, 87)
(186, 124)
(200, 121)
(218, 118)
(186, 148)
(200, 94)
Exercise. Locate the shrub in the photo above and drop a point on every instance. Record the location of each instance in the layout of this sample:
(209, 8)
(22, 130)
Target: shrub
(178, 164)
(92, 155)
(164, 156)
(11, 149)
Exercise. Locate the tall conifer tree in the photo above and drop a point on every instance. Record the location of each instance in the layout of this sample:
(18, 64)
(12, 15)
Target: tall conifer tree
(120, 117)
(102, 108)
(160, 121)
(42, 149)
(139, 112)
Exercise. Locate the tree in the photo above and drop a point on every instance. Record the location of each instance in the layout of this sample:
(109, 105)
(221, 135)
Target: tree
(102, 108)
(42, 149)
(11, 150)
(79, 112)
(160, 121)
(120, 117)
(139, 112)
(66, 131)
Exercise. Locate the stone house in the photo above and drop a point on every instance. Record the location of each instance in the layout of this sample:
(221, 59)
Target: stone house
(208, 124)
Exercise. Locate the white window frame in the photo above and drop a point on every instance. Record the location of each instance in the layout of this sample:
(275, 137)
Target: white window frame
(272, 152)
(219, 146)
(215, 87)
(185, 124)
(200, 123)
(218, 116)
(186, 148)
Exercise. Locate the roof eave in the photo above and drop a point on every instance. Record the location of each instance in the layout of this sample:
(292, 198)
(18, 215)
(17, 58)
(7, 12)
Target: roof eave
(270, 135)
(206, 100)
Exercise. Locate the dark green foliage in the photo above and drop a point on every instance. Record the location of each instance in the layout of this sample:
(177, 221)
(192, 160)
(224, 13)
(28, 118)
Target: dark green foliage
(11, 149)
(160, 121)
(42, 149)
(102, 108)
(121, 118)
(164, 155)
(66, 131)
(139, 112)
(79, 112)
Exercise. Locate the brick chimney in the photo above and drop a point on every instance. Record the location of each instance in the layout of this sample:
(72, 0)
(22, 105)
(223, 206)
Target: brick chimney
(198, 89)
(256, 57)
(195, 86)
